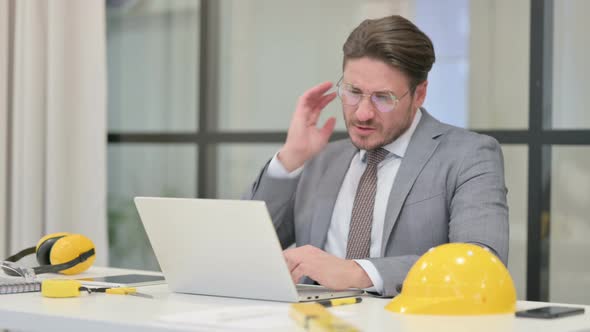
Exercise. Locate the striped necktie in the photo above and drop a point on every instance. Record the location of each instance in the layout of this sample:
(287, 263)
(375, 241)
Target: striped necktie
(361, 220)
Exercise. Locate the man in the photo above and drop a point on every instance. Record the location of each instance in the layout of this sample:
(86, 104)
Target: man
(362, 210)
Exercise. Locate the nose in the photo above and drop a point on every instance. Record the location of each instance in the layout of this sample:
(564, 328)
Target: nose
(365, 110)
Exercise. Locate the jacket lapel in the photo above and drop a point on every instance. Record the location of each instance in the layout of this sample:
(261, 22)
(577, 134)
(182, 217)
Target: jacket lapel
(328, 190)
(422, 146)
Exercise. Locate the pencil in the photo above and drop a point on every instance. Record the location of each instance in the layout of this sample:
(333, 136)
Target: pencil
(342, 301)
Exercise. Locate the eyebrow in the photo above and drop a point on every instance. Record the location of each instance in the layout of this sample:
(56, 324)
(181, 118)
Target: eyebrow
(377, 91)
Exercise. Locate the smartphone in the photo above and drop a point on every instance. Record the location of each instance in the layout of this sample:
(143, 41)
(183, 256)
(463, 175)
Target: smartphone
(550, 312)
(127, 280)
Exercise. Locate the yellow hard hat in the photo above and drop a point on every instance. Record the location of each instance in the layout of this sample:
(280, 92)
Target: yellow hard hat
(456, 279)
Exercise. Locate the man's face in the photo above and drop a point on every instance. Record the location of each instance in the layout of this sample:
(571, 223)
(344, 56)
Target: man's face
(367, 127)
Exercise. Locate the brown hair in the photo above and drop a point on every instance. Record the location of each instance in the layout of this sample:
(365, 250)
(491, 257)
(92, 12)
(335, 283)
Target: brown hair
(395, 41)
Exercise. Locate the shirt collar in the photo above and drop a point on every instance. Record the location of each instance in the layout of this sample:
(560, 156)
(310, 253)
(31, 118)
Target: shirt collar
(400, 145)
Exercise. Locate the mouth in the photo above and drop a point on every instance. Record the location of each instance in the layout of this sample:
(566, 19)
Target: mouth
(364, 130)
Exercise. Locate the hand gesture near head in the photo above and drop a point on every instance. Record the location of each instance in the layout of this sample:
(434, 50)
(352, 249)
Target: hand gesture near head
(304, 138)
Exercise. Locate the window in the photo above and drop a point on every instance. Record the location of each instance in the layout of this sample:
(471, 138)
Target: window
(153, 75)
(201, 94)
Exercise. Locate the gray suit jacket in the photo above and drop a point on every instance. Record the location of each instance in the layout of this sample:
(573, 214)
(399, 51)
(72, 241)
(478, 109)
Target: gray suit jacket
(449, 188)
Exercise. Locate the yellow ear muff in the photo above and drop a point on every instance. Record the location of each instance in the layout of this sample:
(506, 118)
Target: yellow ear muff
(70, 247)
(50, 236)
(43, 248)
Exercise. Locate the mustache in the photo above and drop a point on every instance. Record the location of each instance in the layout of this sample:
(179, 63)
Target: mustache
(364, 123)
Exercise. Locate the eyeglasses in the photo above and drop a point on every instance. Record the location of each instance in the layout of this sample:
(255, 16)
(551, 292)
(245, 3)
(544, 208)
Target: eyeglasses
(384, 101)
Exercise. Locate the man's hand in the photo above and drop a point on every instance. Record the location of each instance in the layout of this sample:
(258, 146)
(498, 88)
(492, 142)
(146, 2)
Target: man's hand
(328, 270)
(304, 139)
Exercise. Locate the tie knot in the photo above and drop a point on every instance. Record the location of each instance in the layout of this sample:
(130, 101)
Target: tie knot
(374, 157)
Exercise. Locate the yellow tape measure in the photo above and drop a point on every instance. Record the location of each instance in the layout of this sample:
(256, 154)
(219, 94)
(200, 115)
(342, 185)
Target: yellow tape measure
(59, 288)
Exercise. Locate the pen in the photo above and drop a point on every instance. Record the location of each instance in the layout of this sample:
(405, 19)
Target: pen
(342, 301)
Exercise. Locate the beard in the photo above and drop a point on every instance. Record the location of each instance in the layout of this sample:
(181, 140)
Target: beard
(382, 134)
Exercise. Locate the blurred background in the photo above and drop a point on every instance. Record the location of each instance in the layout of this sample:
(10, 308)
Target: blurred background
(200, 95)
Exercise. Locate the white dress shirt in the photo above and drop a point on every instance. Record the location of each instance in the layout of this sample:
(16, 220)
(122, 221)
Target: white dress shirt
(337, 237)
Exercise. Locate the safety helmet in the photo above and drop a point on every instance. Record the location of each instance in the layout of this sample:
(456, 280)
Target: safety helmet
(456, 279)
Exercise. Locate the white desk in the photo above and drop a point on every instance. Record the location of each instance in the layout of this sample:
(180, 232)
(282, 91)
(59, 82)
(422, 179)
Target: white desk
(101, 312)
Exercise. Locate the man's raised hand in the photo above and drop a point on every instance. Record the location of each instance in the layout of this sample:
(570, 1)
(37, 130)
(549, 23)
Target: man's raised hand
(304, 138)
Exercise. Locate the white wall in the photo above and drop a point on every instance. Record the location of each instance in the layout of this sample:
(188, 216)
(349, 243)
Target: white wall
(3, 120)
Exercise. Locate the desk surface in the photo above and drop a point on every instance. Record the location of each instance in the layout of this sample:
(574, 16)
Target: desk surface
(101, 312)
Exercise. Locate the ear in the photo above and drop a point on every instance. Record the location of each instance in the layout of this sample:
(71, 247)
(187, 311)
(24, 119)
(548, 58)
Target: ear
(420, 94)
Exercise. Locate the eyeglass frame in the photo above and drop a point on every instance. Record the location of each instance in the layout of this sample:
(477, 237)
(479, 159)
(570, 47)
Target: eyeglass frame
(392, 95)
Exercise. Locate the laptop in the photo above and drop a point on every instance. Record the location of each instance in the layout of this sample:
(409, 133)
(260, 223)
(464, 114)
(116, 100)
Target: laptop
(222, 248)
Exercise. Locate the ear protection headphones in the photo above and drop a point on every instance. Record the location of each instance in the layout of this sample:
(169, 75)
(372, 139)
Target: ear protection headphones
(64, 253)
